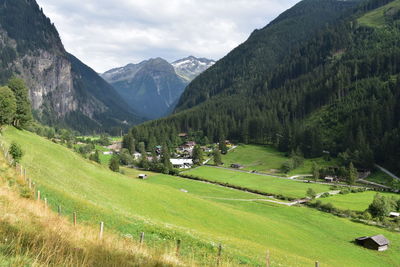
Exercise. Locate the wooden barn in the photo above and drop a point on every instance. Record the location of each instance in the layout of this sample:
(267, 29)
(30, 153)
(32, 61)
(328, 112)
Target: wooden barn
(377, 242)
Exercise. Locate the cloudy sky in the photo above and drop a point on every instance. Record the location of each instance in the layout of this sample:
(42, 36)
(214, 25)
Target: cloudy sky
(110, 33)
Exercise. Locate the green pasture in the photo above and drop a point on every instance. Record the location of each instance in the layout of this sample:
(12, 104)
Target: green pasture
(295, 236)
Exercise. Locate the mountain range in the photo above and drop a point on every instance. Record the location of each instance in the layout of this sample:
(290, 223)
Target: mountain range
(63, 90)
(154, 86)
(323, 76)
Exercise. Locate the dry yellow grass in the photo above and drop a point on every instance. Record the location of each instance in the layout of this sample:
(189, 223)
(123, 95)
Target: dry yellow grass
(32, 235)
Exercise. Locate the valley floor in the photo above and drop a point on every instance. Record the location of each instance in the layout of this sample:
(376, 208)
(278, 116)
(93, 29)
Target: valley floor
(202, 215)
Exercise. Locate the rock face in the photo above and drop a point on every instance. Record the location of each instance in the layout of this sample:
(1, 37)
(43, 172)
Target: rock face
(63, 91)
(154, 86)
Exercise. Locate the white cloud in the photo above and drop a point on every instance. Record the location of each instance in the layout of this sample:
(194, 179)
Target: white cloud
(106, 34)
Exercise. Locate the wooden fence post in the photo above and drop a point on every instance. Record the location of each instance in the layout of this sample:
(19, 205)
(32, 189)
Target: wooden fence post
(59, 210)
(101, 230)
(141, 238)
(268, 262)
(74, 218)
(38, 195)
(30, 183)
(219, 254)
(316, 264)
(178, 247)
(45, 203)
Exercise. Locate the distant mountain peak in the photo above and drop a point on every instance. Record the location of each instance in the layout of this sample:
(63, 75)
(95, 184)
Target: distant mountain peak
(190, 67)
(154, 86)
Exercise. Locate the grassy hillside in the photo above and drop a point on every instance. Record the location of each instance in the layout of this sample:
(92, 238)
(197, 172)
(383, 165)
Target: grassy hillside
(263, 183)
(295, 236)
(33, 235)
(356, 202)
(378, 17)
(266, 159)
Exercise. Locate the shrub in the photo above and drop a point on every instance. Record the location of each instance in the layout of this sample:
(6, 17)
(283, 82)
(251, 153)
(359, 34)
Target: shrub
(16, 152)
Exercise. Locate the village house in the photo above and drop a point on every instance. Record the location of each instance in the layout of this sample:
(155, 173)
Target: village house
(377, 242)
(329, 179)
(137, 155)
(182, 163)
(115, 146)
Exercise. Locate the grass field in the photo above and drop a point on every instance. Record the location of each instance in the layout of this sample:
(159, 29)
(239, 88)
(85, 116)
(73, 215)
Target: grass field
(266, 159)
(354, 201)
(376, 18)
(263, 183)
(380, 177)
(295, 236)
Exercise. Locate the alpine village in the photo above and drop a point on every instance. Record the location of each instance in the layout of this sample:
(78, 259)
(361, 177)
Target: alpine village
(284, 152)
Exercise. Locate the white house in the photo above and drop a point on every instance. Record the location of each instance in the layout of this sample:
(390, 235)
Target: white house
(182, 163)
(137, 155)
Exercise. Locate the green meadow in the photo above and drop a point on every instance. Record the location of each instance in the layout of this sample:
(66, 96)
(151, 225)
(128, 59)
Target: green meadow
(266, 159)
(377, 17)
(354, 201)
(202, 217)
(266, 184)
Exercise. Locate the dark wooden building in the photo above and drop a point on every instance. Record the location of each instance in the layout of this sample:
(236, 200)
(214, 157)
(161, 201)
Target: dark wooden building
(377, 242)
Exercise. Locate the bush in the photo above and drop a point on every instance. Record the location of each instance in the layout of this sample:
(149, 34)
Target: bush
(345, 191)
(16, 152)
(326, 194)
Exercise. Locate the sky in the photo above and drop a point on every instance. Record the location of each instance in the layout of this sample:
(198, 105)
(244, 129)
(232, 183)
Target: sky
(105, 34)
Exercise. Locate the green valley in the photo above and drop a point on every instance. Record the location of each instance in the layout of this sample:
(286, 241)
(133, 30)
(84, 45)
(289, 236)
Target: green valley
(160, 208)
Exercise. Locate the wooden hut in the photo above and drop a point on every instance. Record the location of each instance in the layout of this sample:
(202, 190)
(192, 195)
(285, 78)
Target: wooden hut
(377, 242)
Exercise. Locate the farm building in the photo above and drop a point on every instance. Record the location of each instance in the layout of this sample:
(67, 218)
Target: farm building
(329, 179)
(394, 214)
(236, 166)
(142, 176)
(182, 163)
(377, 242)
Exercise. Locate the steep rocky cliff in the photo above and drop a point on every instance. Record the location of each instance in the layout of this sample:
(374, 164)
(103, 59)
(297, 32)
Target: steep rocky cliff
(63, 90)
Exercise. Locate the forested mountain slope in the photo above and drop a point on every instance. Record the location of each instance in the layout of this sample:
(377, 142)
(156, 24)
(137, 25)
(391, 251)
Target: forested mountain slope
(338, 91)
(249, 63)
(63, 91)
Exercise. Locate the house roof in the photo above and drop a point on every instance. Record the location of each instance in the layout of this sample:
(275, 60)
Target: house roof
(380, 240)
(181, 161)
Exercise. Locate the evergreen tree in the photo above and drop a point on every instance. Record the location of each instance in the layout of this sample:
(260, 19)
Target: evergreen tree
(23, 114)
(7, 106)
(380, 206)
(311, 193)
(198, 155)
(128, 142)
(114, 163)
(222, 146)
(352, 174)
(315, 170)
(217, 157)
(95, 156)
(16, 152)
(165, 159)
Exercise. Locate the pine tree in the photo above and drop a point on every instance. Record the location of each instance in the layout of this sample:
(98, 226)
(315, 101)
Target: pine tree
(165, 159)
(315, 170)
(198, 155)
(217, 157)
(95, 156)
(114, 163)
(222, 146)
(16, 152)
(352, 174)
